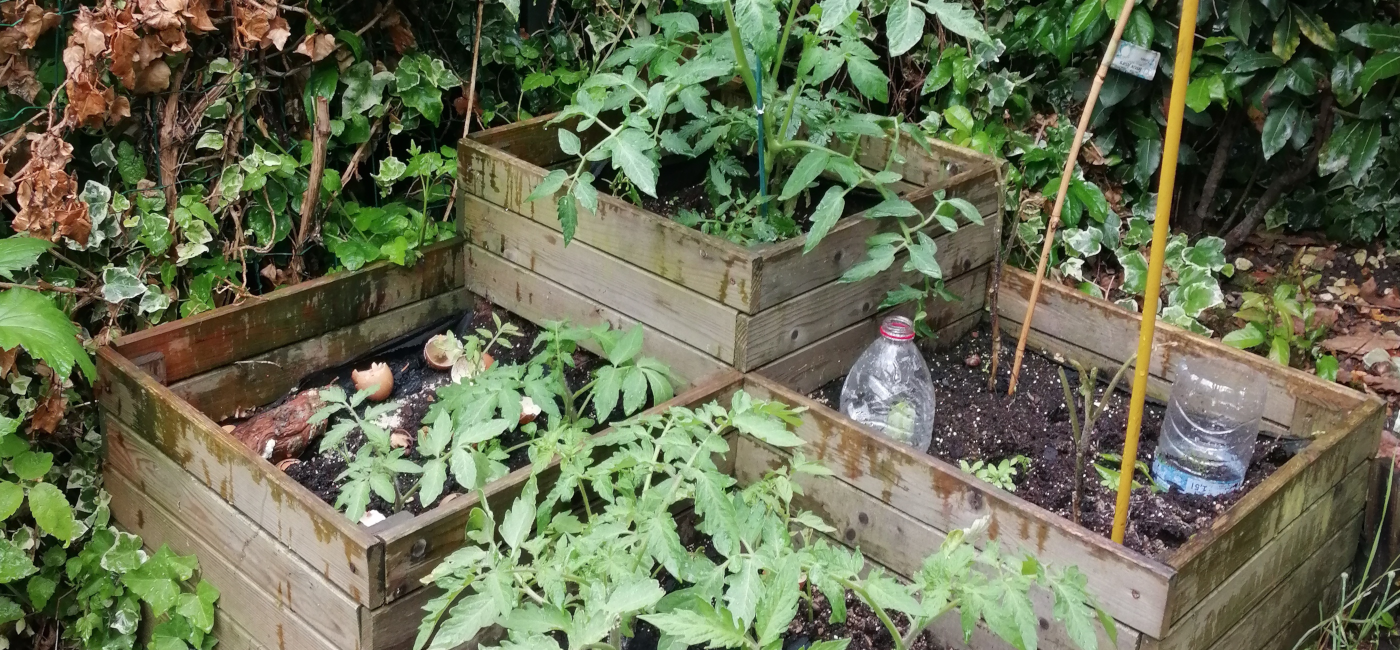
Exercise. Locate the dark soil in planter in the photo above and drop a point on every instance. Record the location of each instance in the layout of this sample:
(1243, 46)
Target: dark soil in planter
(681, 186)
(862, 627)
(972, 424)
(415, 389)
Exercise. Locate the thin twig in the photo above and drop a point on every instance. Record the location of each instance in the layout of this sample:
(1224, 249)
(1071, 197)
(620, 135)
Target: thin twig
(44, 286)
(352, 169)
(81, 268)
(471, 85)
(994, 286)
(171, 137)
(375, 20)
(19, 134)
(319, 138)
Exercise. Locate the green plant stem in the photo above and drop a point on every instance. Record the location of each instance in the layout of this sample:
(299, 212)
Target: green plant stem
(792, 103)
(894, 148)
(575, 410)
(655, 456)
(866, 175)
(884, 617)
(742, 59)
(525, 587)
(782, 43)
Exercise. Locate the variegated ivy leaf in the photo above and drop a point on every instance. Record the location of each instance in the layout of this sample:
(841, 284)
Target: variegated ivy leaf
(154, 300)
(1087, 242)
(210, 140)
(391, 169)
(119, 283)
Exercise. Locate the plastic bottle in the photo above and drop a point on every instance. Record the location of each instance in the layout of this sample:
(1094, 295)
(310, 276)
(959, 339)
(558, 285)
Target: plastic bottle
(889, 389)
(1209, 431)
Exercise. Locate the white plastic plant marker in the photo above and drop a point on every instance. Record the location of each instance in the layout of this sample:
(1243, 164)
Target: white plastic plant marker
(1137, 61)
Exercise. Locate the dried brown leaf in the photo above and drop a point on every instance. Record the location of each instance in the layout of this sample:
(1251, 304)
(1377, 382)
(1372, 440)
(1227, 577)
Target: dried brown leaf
(317, 46)
(277, 34)
(1386, 384)
(154, 78)
(162, 14)
(27, 22)
(7, 361)
(47, 195)
(49, 413)
(1359, 343)
(197, 15)
(1371, 294)
(400, 33)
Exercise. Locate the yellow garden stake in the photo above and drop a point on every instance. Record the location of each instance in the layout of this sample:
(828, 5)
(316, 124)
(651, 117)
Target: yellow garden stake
(1181, 72)
(1070, 161)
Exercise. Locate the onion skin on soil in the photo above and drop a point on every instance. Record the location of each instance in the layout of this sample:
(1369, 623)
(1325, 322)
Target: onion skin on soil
(377, 377)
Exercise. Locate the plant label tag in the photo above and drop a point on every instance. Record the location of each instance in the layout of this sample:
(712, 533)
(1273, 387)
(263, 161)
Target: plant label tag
(1137, 61)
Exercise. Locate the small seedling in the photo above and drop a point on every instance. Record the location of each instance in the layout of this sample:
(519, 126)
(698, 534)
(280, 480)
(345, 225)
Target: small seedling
(1109, 475)
(1002, 475)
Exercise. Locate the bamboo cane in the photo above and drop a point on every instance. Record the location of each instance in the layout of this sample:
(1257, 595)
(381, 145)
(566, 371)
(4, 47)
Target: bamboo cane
(1070, 161)
(1185, 40)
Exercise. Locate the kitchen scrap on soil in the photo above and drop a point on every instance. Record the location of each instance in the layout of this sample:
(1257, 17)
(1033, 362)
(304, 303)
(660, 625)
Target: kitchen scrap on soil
(972, 423)
(415, 385)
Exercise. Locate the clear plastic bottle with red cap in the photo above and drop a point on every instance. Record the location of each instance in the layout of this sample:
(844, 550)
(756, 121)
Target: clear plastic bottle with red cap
(889, 389)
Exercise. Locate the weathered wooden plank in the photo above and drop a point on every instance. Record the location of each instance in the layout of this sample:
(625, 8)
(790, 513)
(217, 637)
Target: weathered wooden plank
(1297, 597)
(933, 168)
(536, 141)
(809, 368)
(1132, 587)
(1272, 563)
(151, 479)
(189, 346)
(537, 298)
(230, 634)
(656, 301)
(271, 623)
(395, 625)
(1111, 331)
(803, 320)
(894, 540)
(1291, 632)
(786, 271)
(250, 383)
(412, 549)
(1211, 556)
(324, 538)
(711, 266)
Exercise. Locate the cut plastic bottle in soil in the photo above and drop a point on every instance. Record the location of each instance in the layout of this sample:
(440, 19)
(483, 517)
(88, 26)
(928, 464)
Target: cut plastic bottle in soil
(890, 389)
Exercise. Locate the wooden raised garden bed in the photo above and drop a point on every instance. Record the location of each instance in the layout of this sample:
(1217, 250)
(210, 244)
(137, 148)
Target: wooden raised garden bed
(744, 306)
(1254, 578)
(293, 571)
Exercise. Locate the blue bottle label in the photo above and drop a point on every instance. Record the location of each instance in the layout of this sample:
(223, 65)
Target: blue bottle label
(1167, 475)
